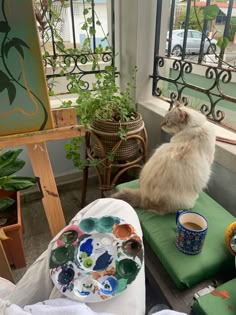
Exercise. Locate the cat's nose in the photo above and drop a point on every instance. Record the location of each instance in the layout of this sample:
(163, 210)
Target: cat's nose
(163, 123)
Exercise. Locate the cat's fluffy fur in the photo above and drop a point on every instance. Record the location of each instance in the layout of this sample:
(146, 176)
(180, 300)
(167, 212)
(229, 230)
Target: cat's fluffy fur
(179, 170)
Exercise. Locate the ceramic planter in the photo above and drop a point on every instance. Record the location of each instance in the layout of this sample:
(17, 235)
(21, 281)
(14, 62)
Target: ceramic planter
(14, 245)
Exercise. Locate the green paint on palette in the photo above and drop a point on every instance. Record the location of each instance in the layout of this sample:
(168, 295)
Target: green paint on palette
(59, 256)
(105, 224)
(68, 237)
(122, 285)
(88, 225)
(88, 262)
(127, 268)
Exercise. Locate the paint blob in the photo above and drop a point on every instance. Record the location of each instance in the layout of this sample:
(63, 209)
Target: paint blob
(88, 225)
(127, 268)
(66, 276)
(60, 255)
(105, 224)
(131, 247)
(123, 231)
(69, 237)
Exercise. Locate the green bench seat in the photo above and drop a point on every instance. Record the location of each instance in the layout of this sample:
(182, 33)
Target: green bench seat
(185, 270)
(222, 301)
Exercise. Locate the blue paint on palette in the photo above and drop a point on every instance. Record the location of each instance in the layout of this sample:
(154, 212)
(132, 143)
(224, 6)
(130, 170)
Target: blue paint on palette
(109, 286)
(103, 262)
(87, 247)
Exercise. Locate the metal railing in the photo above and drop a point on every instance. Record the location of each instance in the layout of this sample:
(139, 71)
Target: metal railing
(62, 40)
(204, 81)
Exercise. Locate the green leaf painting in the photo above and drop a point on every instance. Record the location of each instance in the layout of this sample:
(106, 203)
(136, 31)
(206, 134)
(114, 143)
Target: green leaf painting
(25, 103)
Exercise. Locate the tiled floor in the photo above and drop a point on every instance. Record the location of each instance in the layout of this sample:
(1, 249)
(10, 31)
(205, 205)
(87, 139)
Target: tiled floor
(36, 231)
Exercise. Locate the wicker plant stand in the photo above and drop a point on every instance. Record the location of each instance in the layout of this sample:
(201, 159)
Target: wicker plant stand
(126, 154)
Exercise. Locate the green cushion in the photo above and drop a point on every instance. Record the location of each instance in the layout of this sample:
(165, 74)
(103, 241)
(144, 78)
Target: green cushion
(186, 270)
(222, 301)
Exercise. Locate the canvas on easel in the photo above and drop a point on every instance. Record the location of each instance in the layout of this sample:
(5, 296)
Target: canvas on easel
(24, 101)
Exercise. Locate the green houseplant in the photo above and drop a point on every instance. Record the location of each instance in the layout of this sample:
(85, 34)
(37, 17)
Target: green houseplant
(9, 165)
(115, 134)
(10, 210)
(109, 115)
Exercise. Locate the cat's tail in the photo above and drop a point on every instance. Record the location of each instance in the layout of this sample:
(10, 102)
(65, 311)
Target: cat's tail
(131, 196)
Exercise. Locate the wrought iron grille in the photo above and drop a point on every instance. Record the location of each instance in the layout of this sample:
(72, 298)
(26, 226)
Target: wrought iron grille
(72, 59)
(205, 81)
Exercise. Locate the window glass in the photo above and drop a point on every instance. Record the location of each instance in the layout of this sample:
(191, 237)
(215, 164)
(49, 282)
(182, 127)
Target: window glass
(196, 35)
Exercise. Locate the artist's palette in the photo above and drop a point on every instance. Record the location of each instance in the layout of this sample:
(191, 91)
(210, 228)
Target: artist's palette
(96, 259)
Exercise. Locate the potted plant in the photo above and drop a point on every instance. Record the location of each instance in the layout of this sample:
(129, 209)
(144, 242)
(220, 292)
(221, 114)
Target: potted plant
(10, 210)
(115, 137)
(115, 128)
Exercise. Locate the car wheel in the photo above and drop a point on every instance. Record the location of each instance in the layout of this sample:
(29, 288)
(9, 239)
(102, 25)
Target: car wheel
(177, 51)
(211, 49)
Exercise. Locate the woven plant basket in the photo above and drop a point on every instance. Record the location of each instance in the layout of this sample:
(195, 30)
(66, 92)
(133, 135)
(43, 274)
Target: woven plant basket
(107, 133)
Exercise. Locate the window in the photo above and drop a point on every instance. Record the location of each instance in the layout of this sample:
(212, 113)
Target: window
(195, 70)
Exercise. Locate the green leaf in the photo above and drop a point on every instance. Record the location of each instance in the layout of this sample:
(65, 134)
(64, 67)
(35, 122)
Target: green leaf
(20, 42)
(4, 81)
(16, 183)
(4, 27)
(210, 12)
(46, 54)
(15, 43)
(223, 42)
(86, 11)
(9, 164)
(51, 93)
(5, 203)
(11, 92)
(92, 31)
(84, 27)
(89, 20)
(86, 42)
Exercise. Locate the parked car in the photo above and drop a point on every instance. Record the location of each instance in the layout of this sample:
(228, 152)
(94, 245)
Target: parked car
(193, 43)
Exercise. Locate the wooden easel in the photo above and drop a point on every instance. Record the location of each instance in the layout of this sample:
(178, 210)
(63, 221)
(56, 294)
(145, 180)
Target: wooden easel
(65, 127)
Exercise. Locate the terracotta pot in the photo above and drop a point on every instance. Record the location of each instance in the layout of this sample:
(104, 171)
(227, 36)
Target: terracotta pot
(105, 138)
(13, 247)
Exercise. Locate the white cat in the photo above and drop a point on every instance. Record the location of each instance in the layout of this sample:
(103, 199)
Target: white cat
(177, 171)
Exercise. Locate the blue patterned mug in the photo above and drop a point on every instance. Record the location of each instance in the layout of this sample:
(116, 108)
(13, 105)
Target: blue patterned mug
(191, 231)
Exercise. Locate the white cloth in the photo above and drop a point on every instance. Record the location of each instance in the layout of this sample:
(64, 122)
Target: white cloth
(36, 285)
(6, 288)
(60, 306)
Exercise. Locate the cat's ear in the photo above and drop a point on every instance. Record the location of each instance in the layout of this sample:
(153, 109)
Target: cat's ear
(183, 115)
